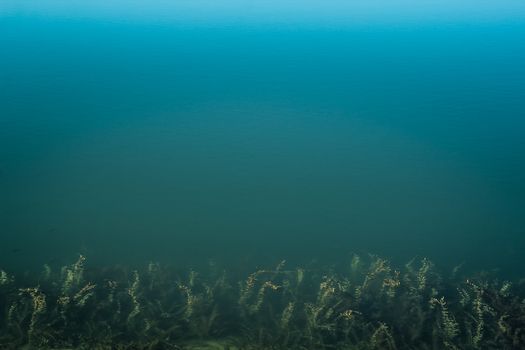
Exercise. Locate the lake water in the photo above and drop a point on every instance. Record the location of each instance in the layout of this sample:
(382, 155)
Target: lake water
(255, 133)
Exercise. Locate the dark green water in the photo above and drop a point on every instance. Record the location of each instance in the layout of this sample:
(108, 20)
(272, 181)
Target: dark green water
(253, 137)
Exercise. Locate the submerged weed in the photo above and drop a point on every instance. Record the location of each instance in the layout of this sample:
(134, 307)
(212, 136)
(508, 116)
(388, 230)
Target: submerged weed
(371, 305)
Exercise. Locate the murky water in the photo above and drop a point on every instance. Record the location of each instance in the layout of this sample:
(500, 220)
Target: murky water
(262, 134)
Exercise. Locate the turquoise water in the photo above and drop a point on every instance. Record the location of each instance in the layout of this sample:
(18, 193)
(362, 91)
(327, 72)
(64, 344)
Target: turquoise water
(264, 132)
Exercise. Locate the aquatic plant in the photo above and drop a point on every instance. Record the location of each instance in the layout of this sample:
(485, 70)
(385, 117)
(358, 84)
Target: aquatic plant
(365, 304)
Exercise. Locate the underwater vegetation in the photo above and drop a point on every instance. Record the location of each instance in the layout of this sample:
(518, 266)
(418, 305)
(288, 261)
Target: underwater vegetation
(364, 304)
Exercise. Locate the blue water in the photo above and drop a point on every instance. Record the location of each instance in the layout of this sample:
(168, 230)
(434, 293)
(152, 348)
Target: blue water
(261, 132)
